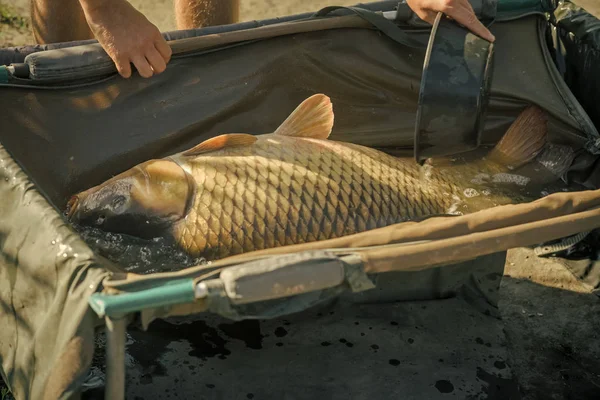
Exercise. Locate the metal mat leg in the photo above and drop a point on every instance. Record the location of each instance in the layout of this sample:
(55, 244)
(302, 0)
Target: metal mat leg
(115, 358)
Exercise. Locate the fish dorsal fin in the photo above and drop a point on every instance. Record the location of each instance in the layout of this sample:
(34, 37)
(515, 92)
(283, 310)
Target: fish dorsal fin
(524, 140)
(313, 118)
(221, 142)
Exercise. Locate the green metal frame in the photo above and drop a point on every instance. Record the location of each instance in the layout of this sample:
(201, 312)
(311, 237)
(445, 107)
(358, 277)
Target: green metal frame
(169, 293)
(4, 74)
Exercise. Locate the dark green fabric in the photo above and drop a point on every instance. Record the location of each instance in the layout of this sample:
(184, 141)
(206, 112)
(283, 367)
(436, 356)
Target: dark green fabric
(381, 23)
(3, 74)
(580, 35)
(584, 26)
(46, 276)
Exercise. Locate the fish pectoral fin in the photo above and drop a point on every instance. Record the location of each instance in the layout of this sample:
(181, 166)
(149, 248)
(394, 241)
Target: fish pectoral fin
(313, 118)
(524, 140)
(221, 142)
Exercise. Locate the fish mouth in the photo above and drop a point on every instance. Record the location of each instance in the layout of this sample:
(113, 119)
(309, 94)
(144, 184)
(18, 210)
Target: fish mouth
(72, 205)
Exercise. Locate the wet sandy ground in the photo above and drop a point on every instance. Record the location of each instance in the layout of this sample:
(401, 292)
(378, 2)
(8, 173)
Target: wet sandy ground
(550, 319)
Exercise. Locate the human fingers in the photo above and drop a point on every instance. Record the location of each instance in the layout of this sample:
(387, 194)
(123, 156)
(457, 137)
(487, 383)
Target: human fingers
(423, 10)
(163, 48)
(156, 60)
(465, 15)
(428, 16)
(141, 64)
(123, 66)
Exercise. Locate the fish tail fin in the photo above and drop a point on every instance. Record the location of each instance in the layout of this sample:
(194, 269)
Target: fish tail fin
(524, 140)
(313, 118)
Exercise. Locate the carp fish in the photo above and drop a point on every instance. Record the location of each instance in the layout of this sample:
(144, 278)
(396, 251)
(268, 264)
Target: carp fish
(236, 193)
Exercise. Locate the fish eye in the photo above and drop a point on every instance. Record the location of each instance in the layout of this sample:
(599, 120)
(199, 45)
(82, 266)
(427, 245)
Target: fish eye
(100, 220)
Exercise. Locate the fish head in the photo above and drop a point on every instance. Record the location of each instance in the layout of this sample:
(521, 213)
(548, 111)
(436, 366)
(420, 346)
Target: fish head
(143, 201)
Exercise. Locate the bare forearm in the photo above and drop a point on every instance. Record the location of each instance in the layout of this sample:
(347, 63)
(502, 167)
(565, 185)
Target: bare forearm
(127, 36)
(92, 6)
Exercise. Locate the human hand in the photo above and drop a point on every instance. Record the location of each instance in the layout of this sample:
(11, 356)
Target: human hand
(127, 36)
(459, 10)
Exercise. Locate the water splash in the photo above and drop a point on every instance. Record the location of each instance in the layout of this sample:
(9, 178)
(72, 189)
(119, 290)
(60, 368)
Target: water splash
(519, 180)
(453, 210)
(426, 171)
(556, 158)
(470, 192)
(137, 255)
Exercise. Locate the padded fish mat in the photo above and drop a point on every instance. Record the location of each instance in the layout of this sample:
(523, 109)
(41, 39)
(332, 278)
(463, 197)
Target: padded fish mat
(371, 345)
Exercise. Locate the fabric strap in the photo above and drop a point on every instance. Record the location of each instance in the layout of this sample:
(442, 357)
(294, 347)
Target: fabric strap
(378, 21)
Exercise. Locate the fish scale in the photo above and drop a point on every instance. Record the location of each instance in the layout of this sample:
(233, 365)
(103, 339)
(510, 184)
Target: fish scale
(237, 193)
(320, 199)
